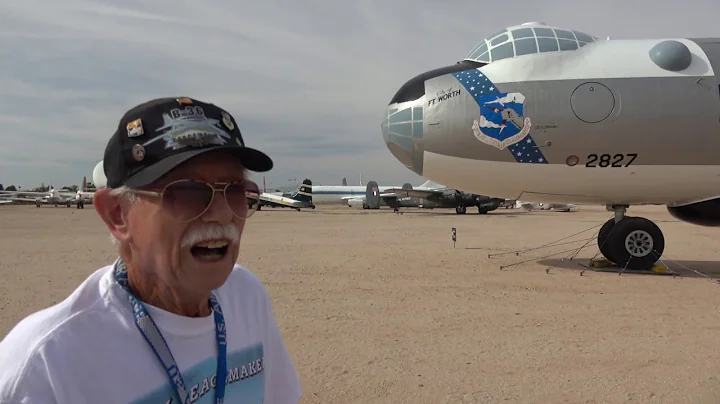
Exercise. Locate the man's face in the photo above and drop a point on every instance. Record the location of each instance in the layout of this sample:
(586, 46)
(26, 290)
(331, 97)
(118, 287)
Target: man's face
(197, 254)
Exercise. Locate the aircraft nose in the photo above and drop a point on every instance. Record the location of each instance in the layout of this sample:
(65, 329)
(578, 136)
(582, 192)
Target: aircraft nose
(402, 127)
(402, 131)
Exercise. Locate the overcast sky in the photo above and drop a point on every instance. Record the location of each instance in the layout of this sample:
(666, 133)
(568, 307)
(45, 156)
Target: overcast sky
(308, 81)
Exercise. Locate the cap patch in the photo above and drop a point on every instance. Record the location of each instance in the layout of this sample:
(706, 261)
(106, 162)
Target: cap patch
(138, 152)
(135, 128)
(227, 120)
(189, 127)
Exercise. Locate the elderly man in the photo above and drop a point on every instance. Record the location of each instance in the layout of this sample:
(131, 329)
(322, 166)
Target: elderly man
(174, 319)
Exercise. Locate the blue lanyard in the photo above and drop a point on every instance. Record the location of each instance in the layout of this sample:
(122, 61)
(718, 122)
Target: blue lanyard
(152, 335)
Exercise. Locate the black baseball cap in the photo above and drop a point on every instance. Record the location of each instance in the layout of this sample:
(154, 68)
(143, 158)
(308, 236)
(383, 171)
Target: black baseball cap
(155, 137)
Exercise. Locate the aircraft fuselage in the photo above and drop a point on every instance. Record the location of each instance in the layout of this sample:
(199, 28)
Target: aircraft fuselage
(602, 124)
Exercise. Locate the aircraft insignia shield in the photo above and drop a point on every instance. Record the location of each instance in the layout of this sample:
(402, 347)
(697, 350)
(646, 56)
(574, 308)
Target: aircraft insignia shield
(502, 122)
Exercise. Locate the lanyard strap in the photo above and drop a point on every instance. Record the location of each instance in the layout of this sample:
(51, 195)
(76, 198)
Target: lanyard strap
(157, 343)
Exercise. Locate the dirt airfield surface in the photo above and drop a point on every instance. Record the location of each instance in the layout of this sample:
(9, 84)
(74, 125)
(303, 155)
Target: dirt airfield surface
(377, 307)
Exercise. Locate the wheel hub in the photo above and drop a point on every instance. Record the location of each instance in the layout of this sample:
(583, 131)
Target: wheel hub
(639, 243)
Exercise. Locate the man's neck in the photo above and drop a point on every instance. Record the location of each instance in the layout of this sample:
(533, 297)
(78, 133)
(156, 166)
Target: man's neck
(156, 293)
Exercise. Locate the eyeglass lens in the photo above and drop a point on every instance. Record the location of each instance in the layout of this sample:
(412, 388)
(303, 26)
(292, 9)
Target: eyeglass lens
(187, 200)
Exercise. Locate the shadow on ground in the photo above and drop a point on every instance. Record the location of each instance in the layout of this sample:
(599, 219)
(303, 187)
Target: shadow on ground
(686, 269)
(414, 212)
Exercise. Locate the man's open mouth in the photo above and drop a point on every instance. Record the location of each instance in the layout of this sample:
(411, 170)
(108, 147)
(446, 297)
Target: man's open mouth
(210, 251)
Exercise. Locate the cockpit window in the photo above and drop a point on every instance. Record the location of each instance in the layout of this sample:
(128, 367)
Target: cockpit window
(523, 33)
(527, 39)
(527, 46)
(583, 37)
(502, 52)
(564, 34)
(501, 39)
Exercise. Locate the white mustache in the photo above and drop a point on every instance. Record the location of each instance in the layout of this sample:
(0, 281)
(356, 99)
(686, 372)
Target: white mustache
(213, 231)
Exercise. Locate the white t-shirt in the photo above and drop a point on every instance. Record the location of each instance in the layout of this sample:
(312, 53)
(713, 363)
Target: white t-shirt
(87, 349)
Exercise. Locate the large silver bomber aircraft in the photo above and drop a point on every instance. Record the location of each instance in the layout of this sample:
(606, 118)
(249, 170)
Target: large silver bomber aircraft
(554, 115)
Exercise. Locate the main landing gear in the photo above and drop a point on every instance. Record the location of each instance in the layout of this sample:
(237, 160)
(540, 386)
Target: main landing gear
(462, 209)
(630, 242)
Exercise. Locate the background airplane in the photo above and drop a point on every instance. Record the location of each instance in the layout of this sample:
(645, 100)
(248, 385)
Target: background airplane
(558, 116)
(330, 194)
(51, 197)
(563, 207)
(301, 198)
(428, 196)
(83, 196)
(386, 199)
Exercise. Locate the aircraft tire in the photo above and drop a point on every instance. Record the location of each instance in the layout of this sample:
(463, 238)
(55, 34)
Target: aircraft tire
(460, 209)
(602, 237)
(634, 243)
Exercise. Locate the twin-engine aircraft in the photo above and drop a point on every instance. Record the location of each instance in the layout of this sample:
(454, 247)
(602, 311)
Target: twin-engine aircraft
(427, 196)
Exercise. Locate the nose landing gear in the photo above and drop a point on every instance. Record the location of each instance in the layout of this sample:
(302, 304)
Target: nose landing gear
(631, 242)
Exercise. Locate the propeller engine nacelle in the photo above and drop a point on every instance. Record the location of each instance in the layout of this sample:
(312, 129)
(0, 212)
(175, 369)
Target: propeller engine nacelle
(705, 213)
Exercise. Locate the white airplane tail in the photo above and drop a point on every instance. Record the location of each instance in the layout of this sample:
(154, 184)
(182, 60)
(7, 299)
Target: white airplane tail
(99, 178)
(430, 184)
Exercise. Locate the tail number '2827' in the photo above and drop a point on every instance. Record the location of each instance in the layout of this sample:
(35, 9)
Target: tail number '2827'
(610, 160)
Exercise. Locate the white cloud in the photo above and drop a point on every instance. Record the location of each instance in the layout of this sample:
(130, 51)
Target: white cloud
(307, 81)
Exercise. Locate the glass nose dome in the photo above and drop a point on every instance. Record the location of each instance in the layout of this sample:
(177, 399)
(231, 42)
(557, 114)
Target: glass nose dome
(526, 39)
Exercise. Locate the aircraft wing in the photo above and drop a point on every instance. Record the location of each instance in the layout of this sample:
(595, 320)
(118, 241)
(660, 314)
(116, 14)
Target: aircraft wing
(10, 199)
(417, 193)
(5, 201)
(383, 195)
(275, 200)
(23, 193)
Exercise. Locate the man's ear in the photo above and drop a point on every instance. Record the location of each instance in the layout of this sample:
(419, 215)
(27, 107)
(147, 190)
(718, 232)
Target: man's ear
(110, 210)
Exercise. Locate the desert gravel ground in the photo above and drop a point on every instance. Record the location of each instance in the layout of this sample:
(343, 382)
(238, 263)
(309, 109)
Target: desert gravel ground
(377, 307)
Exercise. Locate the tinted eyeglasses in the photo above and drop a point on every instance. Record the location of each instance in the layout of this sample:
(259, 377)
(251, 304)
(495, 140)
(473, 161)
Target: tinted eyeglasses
(186, 200)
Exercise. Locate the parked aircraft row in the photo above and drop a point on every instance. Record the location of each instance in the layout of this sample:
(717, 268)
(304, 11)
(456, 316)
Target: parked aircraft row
(51, 197)
(559, 116)
(428, 196)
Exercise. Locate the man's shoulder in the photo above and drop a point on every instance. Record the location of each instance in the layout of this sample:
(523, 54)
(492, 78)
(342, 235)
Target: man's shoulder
(32, 332)
(243, 279)
(245, 291)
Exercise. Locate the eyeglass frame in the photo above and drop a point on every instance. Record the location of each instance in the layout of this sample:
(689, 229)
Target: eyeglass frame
(212, 185)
